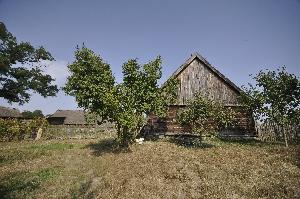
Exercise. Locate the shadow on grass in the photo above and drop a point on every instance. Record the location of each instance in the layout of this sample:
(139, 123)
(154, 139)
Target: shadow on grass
(190, 141)
(21, 184)
(108, 145)
(15, 185)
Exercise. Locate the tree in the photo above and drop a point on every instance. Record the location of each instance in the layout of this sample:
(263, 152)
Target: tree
(18, 81)
(33, 115)
(274, 97)
(126, 104)
(205, 115)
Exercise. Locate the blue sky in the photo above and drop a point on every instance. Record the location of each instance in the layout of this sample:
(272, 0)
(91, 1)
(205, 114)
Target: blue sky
(237, 37)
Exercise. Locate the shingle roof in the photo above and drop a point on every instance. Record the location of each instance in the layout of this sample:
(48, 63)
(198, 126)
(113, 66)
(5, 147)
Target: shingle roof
(6, 112)
(209, 66)
(70, 116)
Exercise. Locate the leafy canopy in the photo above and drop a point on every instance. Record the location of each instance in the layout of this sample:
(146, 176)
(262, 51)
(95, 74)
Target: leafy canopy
(126, 104)
(34, 114)
(275, 97)
(205, 116)
(16, 82)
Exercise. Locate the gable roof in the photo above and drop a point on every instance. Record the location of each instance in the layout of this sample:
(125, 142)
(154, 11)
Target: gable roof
(70, 116)
(6, 112)
(209, 66)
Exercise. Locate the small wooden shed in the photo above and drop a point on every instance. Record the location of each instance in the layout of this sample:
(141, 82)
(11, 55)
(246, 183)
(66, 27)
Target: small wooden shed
(198, 75)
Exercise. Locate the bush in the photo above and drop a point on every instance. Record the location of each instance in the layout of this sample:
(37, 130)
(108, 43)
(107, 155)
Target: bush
(13, 129)
(206, 116)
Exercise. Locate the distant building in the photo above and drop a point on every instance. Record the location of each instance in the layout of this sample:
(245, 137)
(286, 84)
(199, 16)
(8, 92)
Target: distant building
(6, 112)
(67, 117)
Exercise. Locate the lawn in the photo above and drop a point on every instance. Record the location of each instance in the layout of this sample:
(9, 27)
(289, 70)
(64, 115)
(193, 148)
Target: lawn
(155, 169)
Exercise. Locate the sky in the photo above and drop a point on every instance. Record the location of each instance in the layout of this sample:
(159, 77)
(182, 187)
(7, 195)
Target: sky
(237, 37)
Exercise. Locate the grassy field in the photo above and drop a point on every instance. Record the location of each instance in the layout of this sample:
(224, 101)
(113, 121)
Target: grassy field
(161, 169)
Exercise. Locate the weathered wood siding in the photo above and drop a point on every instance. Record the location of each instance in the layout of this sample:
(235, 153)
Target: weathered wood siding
(196, 75)
(198, 78)
(244, 123)
(169, 123)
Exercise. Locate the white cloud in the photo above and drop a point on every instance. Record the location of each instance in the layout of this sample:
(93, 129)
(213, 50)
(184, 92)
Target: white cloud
(58, 70)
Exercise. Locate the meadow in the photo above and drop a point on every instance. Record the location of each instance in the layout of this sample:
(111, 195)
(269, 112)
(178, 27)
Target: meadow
(166, 168)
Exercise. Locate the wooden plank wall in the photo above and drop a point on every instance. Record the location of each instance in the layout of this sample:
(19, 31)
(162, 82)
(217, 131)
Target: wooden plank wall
(198, 78)
(244, 123)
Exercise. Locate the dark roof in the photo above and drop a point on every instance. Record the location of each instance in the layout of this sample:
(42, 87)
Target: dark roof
(70, 116)
(209, 66)
(6, 112)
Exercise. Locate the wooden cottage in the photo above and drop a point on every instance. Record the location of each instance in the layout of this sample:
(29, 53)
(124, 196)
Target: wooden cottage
(197, 75)
(6, 112)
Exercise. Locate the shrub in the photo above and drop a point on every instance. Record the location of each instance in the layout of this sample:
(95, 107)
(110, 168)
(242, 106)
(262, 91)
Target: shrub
(206, 116)
(9, 129)
(13, 129)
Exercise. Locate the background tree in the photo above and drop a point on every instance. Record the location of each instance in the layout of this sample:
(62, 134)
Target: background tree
(17, 81)
(33, 115)
(274, 97)
(205, 116)
(126, 104)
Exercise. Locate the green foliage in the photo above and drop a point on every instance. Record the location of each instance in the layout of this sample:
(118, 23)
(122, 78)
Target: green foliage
(38, 123)
(12, 129)
(92, 83)
(274, 97)
(205, 116)
(127, 103)
(16, 82)
(34, 114)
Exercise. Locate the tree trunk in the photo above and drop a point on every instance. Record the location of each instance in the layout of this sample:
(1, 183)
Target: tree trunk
(285, 136)
(125, 138)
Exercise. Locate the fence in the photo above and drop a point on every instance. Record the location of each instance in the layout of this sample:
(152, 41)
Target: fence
(270, 131)
(78, 132)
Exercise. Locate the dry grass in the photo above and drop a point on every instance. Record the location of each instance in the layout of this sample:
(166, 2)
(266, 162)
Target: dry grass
(162, 169)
